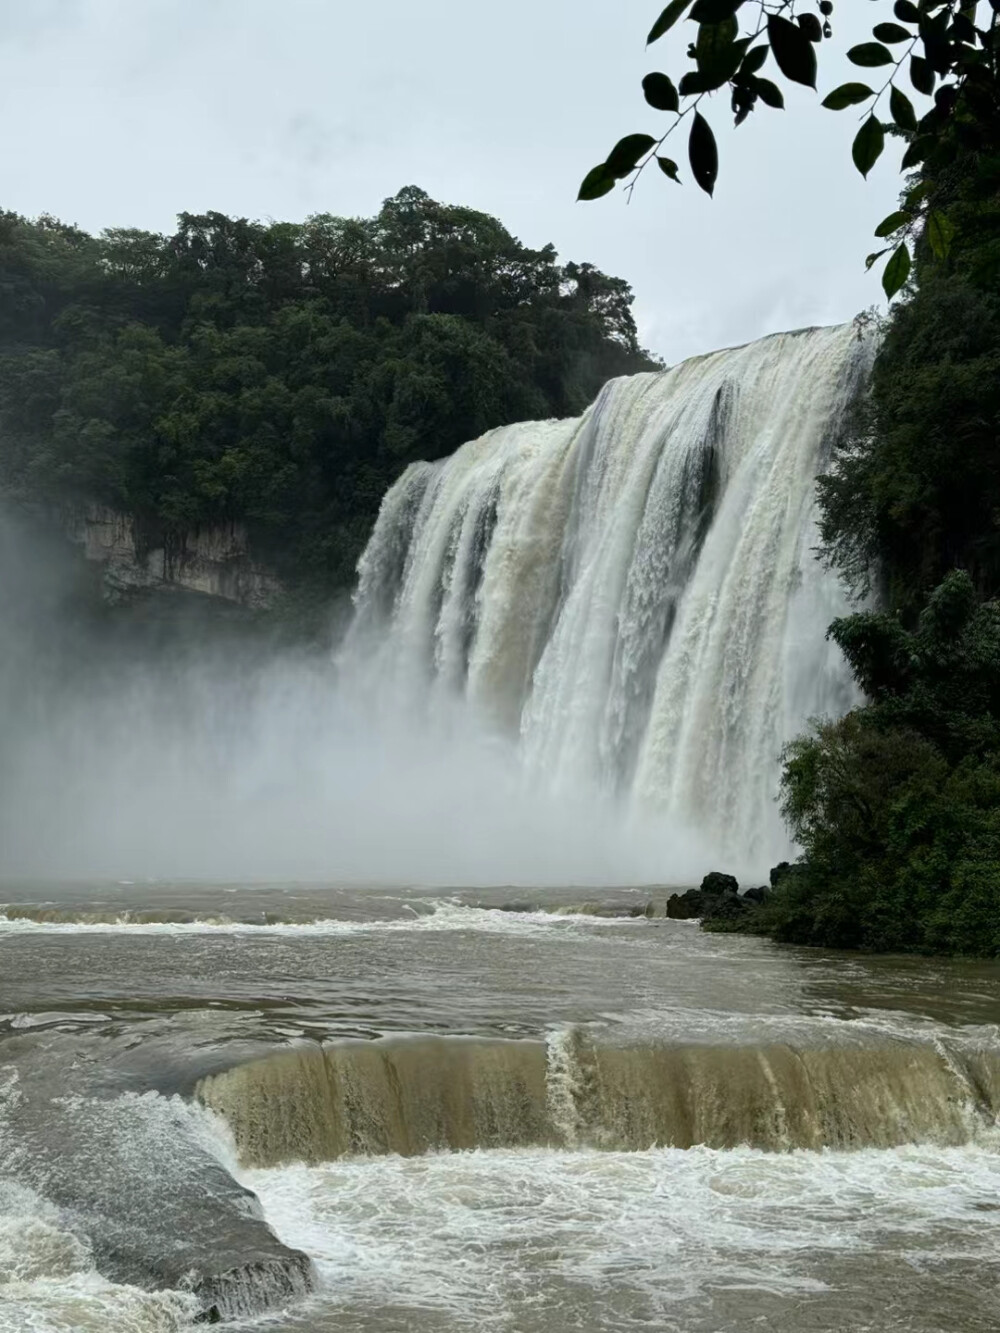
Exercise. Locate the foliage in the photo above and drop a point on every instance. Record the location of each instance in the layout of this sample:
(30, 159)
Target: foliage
(915, 491)
(949, 49)
(897, 805)
(284, 374)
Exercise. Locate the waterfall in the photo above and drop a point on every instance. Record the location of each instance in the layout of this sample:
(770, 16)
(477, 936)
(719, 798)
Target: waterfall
(633, 597)
(422, 1094)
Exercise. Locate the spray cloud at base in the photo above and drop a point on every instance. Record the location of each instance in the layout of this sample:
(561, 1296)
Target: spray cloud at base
(200, 754)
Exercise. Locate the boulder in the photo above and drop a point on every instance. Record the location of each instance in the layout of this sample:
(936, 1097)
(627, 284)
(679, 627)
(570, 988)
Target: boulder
(716, 883)
(757, 895)
(718, 898)
(685, 906)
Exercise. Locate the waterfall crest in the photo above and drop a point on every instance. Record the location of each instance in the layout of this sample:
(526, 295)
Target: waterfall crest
(424, 1094)
(633, 596)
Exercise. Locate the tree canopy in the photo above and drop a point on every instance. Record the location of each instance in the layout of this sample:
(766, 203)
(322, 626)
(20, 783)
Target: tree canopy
(283, 374)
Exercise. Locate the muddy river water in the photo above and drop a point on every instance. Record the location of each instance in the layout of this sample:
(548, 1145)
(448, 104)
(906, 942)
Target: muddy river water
(314, 1108)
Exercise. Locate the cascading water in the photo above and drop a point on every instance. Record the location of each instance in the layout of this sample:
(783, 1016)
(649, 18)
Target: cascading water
(426, 1094)
(633, 595)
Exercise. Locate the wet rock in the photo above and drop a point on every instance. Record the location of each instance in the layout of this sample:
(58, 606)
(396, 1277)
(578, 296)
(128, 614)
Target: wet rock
(686, 906)
(139, 1176)
(612, 910)
(717, 898)
(728, 906)
(757, 895)
(715, 884)
(780, 872)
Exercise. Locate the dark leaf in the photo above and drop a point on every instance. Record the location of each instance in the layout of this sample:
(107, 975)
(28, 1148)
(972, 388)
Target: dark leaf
(714, 11)
(669, 168)
(626, 153)
(794, 52)
(868, 144)
(718, 52)
(848, 94)
(921, 75)
(660, 92)
(877, 255)
(667, 19)
(917, 151)
(934, 32)
(945, 99)
(906, 12)
(940, 232)
(891, 32)
(810, 25)
(754, 59)
(915, 195)
(892, 223)
(596, 182)
(703, 153)
(826, 8)
(962, 30)
(869, 54)
(896, 271)
(692, 83)
(770, 94)
(902, 110)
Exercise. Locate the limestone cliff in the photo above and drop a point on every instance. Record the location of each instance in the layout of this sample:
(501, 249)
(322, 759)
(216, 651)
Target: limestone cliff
(211, 561)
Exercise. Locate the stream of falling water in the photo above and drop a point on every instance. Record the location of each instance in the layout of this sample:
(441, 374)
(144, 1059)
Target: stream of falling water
(634, 594)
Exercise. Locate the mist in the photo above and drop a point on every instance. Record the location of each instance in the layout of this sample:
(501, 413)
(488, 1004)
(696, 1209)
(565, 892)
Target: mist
(189, 748)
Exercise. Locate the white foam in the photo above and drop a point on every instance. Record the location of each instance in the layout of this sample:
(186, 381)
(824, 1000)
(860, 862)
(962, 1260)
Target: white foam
(442, 915)
(494, 1240)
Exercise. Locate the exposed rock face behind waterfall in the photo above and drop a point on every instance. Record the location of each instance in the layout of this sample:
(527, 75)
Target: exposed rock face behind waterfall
(634, 594)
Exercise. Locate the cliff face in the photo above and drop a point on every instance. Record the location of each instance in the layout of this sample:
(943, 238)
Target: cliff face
(213, 562)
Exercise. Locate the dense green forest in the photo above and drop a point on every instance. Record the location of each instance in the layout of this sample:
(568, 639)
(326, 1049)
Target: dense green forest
(283, 374)
(897, 806)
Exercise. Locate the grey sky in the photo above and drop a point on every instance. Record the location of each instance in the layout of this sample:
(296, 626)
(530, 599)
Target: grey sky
(123, 112)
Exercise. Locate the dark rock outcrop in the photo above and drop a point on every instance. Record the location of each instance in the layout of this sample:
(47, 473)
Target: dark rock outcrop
(138, 1176)
(717, 899)
(715, 883)
(728, 906)
(685, 906)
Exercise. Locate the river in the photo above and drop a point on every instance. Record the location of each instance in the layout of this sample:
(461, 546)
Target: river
(316, 1108)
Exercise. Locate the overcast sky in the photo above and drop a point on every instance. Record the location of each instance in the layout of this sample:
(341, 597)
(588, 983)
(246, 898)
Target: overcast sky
(124, 112)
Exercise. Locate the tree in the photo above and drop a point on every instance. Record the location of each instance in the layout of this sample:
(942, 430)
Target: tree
(948, 49)
(283, 374)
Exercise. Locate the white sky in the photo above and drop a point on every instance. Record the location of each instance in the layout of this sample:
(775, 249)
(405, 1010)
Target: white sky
(124, 112)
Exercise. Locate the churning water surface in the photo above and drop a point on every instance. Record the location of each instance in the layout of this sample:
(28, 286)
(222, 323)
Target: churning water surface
(312, 1108)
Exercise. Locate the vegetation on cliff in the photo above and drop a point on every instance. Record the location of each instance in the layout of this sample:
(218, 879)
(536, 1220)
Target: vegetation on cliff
(284, 374)
(897, 805)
